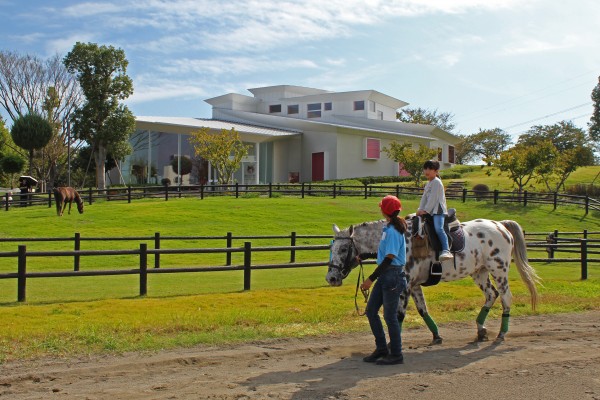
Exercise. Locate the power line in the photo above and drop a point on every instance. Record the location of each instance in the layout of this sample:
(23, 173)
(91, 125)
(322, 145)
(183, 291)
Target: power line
(549, 115)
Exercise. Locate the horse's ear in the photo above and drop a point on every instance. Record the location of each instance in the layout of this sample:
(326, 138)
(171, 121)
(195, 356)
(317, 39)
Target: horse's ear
(351, 230)
(336, 229)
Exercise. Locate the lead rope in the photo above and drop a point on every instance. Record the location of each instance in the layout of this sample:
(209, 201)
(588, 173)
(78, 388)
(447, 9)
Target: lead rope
(361, 276)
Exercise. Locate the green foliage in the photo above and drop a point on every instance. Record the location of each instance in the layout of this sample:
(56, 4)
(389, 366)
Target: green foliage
(412, 160)
(489, 143)
(31, 131)
(186, 165)
(12, 164)
(224, 151)
(464, 151)
(101, 121)
(419, 115)
(594, 124)
(520, 163)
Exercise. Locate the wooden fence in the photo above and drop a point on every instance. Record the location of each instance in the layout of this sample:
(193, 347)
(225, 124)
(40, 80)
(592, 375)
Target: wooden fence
(302, 190)
(553, 244)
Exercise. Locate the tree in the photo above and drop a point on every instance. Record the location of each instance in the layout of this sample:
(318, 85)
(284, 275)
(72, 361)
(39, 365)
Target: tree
(101, 121)
(11, 164)
(489, 143)
(224, 151)
(464, 151)
(412, 160)
(594, 124)
(31, 132)
(520, 162)
(186, 166)
(8, 149)
(29, 84)
(419, 115)
(570, 149)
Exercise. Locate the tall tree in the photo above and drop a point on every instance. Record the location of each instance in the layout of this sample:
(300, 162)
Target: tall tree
(594, 124)
(29, 84)
(442, 120)
(464, 151)
(224, 151)
(520, 162)
(11, 161)
(102, 121)
(572, 149)
(31, 132)
(412, 160)
(489, 143)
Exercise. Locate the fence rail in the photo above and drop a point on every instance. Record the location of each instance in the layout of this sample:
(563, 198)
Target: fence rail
(584, 246)
(302, 190)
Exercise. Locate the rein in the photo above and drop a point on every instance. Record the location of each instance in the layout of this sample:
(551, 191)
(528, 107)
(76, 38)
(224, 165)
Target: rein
(361, 275)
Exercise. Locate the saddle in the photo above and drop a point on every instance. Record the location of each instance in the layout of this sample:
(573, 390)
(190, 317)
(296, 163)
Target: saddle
(425, 237)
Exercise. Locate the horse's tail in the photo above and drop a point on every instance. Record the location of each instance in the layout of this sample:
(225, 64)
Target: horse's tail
(528, 274)
(57, 200)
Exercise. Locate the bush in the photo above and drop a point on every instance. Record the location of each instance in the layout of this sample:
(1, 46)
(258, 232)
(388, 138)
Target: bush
(582, 189)
(369, 180)
(165, 182)
(481, 191)
(450, 174)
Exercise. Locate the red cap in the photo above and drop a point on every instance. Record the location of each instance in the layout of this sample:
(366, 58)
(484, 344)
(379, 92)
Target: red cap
(389, 204)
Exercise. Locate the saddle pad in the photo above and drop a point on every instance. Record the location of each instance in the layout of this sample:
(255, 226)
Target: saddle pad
(457, 237)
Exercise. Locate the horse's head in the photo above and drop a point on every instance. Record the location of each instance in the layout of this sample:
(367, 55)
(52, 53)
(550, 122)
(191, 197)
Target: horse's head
(342, 258)
(79, 201)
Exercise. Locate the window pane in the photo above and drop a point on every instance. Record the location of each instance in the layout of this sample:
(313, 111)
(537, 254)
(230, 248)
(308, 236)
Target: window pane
(294, 109)
(314, 107)
(359, 105)
(373, 149)
(328, 106)
(314, 114)
(275, 108)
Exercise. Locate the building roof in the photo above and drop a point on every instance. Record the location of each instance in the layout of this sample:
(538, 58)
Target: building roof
(197, 123)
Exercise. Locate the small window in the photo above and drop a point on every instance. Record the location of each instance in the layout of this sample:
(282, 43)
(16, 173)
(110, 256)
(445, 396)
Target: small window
(359, 105)
(451, 154)
(328, 106)
(440, 153)
(314, 110)
(372, 149)
(293, 109)
(275, 108)
(371, 106)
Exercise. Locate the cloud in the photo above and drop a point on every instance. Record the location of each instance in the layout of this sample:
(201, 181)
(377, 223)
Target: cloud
(90, 9)
(529, 45)
(65, 44)
(151, 89)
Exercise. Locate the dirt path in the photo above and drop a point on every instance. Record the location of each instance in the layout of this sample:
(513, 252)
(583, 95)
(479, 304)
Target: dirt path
(544, 357)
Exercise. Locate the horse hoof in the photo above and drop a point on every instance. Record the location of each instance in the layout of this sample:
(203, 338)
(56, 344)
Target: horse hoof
(500, 337)
(436, 340)
(482, 335)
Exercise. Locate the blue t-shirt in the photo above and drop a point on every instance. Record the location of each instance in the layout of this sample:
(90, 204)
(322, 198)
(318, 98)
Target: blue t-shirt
(392, 242)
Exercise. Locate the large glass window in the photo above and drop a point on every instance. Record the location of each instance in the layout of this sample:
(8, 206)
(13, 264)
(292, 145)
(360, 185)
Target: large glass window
(314, 110)
(275, 108)
(359, 105)
(293, 109)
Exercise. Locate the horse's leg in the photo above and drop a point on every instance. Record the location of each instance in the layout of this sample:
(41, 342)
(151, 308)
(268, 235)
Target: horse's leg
(501, 279)
(419, 299)
(64, 205)
(482, 279)
(70, 202)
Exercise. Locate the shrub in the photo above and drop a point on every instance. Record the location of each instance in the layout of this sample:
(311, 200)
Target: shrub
(450, 174)
(481, 191)
(582, 189)
(165, 182)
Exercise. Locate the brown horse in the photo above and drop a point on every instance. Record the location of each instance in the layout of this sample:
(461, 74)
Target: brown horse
(67, 195)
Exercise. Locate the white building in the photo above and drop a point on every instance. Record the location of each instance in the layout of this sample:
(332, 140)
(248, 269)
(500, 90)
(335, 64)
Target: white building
(295, 134)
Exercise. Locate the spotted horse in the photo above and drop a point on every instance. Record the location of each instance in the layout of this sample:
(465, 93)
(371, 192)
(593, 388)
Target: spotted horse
(489, 247)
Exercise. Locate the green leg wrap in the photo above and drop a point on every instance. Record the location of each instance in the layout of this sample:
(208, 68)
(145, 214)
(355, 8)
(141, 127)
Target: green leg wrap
(483, 315)
(504, 326)
(430, 324)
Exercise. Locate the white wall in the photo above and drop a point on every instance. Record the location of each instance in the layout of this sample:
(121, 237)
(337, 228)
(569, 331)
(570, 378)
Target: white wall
(287, 158)
(316, 142)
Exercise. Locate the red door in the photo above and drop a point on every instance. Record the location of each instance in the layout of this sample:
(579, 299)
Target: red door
(318, 166)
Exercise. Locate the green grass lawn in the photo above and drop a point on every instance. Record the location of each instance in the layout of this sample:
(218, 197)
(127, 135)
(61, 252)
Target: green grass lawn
(99, 314)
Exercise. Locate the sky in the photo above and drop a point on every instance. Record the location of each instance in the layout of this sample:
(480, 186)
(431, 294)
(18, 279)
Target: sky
(507, 64)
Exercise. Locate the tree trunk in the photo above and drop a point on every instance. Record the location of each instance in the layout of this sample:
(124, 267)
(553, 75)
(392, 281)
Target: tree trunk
(100, 157)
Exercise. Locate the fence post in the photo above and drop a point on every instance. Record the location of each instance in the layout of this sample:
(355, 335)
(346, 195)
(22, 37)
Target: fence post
(555, 199)
(143, 269)
(334, 190)
(584, 254)
(270, 190)
(496, 193)
(464, 195)
(398, 191)
(49, 199)
(247, 262)
(90, 199)
(293, 251)
(525, 198)
(22, 274)
(129, 193)
(585, 233)
(229, 244)
(166, 192)
(366, 189)
(302, 192)
(6, 201)
(157, 247)
(201, 192)
(237, 190)
(587, 204)
(77, 247)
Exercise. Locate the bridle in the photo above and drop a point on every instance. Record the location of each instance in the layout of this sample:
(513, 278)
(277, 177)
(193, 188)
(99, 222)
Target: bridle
(346, 268)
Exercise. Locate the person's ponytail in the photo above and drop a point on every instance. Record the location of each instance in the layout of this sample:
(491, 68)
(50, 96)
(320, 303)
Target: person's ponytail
(398, 222)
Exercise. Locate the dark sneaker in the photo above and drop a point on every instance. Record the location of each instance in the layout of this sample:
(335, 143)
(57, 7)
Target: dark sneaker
(376, 355)
(391, 360)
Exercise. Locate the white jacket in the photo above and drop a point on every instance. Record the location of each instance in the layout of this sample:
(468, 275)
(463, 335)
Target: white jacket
(434, 199)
